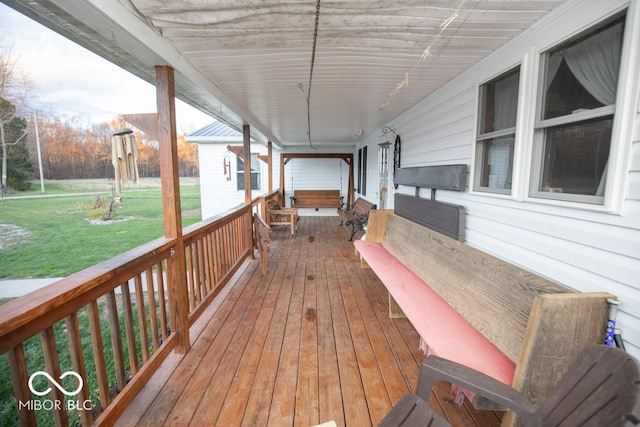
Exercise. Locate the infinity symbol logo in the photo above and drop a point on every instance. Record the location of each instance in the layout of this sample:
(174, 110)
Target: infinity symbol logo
(55, 383)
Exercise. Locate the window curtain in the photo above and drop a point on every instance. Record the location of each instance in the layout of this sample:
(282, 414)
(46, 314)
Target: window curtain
(506, 102)
(500, 150)
(595, 63)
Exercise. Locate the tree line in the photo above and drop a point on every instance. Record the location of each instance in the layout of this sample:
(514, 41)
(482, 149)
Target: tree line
(66, 148)
(75, 152)
(71, 151)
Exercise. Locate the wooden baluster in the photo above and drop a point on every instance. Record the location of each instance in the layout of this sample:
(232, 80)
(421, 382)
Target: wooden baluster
(207, 262)
(129, 328)
(191, 277)
(211, 262)
(216, 259)
(153, 316)
(161, 299)
(142, 319)
(201, 275)
(228, 244)
(224, 245)
(98, 354)
(77, 363)
(116, 340)
(18, 367)
(50, 352)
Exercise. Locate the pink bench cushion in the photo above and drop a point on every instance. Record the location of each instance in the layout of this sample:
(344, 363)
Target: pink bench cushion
(446, 333)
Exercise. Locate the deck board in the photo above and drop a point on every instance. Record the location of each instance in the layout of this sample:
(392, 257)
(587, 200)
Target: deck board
(307, 343)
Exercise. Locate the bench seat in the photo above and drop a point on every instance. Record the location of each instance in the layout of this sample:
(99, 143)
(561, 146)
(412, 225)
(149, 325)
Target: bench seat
(478, 310)
(316, 199)
(440, 326)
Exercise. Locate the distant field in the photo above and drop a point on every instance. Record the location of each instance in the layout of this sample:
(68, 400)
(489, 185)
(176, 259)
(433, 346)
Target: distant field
(91, 185)
(44, 237)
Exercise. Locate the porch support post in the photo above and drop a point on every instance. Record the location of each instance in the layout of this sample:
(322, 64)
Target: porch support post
(246, 139)
(270, 165)
(282, 201)
(170, 181)
(351, 194)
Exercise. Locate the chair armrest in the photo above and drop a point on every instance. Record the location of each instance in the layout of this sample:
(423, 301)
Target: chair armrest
(286, 211)
(435, 369)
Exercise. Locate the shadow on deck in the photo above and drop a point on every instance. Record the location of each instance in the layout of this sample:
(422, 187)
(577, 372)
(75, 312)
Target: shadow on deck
(307, 343)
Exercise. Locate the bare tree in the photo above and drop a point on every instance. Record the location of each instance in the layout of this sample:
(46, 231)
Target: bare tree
(14, 89)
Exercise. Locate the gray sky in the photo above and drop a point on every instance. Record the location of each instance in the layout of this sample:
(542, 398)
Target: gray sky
(72, 82)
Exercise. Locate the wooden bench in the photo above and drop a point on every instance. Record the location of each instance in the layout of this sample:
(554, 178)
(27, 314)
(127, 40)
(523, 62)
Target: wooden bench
(469, 306)
(356, 216)
(478, 310)
(316, 199)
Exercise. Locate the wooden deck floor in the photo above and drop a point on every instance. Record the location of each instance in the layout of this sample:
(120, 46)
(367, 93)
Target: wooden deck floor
(308, 343)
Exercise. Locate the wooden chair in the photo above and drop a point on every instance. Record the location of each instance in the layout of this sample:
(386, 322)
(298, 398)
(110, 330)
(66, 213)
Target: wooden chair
(601, 388)
(277, 215)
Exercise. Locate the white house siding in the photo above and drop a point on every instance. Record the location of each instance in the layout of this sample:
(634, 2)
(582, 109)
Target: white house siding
(216, 193)
(584, 248)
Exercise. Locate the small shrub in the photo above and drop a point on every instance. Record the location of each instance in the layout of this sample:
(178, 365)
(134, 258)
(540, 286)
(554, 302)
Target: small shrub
(103, 209)
(82, 206)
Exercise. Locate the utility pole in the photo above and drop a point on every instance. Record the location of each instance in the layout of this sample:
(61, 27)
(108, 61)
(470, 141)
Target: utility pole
(3, 180)
(35, 121)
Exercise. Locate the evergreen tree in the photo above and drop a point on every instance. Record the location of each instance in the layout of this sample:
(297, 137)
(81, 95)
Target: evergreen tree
(19, 167)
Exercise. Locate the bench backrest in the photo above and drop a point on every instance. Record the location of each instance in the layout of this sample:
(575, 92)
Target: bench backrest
(316, 199)
(362, 207)
(481, 287)
(319, 194)
(444, 218)
(539, 324)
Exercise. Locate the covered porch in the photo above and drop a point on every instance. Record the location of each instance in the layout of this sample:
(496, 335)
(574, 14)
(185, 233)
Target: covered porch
(309, 342)
(198, 334)
(190, 331)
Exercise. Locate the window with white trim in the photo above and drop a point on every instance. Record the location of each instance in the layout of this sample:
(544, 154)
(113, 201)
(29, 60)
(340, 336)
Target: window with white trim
(496, 133)
(573, 129)
(255, 173)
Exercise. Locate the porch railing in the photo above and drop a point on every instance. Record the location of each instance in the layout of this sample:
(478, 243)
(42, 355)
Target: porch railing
(122, 307)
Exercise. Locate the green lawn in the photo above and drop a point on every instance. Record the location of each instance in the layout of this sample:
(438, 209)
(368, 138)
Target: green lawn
(35, 362)
(52, 237)
(56, 239)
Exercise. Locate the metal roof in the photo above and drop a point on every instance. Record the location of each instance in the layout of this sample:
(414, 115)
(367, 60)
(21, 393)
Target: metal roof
(215, 129)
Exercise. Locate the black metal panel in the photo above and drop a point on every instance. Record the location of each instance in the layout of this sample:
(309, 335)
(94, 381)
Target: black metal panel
(444, 218)
(445, 177)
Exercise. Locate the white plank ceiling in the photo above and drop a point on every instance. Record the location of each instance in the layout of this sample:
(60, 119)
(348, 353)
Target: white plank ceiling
(251, 60)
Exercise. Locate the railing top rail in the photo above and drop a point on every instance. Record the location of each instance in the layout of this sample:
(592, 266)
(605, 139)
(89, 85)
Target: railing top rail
(216, 220)
(24, 317)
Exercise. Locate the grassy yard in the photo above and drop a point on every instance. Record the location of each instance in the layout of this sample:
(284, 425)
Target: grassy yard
(44, 237)
(52, 237)
(35, 362)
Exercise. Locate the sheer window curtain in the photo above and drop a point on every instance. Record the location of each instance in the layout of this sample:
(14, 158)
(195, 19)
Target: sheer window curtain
(595, 62)
(501, 149)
